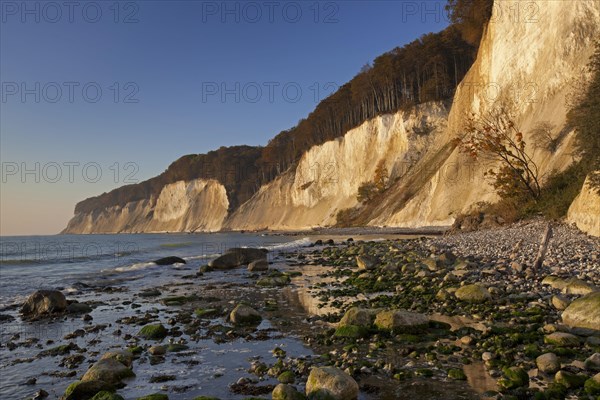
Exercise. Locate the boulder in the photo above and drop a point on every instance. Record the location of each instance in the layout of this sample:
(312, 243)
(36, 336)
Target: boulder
(153, 332)
(473, 293)
(569, 379)
(286, 392)
(592, 363)
(592, 385)
(548, 363)
(367, 262)
(235, 257)
(122, 356)
(579, 287)
(554, 282)
(562, 339)
(108, 370)
(244, 315)
(331, 383)
(584, 312)
(169, 261)
(401, 321)
(258, 266)
(86, 390)
(358, 317)
(43, 303)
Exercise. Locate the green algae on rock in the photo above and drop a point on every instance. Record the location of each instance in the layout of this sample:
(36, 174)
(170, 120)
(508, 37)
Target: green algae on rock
(473, 293)
(104, 395)
(153, 332)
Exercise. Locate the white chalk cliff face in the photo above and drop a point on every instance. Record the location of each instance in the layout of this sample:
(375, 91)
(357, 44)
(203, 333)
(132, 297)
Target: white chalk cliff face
(585, 210)
(531, 63)
(328, 176)
(198, 205)
(529, 60)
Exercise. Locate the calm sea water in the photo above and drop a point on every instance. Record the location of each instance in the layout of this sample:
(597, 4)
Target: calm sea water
(76, 264)
(28, 263)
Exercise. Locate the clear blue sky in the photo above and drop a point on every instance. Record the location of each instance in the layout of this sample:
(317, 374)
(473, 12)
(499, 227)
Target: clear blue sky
(170, 62)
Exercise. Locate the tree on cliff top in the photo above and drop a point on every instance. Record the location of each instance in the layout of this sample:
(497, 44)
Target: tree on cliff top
(470, 17)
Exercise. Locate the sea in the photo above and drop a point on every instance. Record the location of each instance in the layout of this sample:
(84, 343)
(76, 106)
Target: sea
(80, 264)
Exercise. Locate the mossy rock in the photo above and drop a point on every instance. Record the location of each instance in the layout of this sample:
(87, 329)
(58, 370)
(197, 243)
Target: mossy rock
(122, 356)
(570, 380)
(555, 391)
(108, 370)
(562, 339)
(473, 294)
(59, 350)
(514, 377)
(105, 395)
(206, 312)
(358, 317)
(286, 392)
(155, 396)
(286, 377)
(245, 315)
(85, 390)
(153, 332)
(584, 312)
(274, 281)
(401, 321)
(457, 374)
(206, 398)
(351, 331)
(592, 385)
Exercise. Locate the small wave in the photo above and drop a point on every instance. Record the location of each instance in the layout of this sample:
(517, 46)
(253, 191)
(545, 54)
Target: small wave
(299, 243)
(133, 267)
(201, 256)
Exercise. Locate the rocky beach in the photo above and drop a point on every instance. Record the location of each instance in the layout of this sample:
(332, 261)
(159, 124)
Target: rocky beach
(459, 316)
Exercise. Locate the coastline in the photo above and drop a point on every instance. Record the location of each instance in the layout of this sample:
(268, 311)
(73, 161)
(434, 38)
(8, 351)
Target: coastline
(306, 292)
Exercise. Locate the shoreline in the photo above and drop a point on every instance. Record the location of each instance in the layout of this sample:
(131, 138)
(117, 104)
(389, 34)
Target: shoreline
(307, 291)
(322, 231)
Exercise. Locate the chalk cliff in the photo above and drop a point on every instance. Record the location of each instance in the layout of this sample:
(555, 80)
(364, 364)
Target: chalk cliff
(528, 60)
(198, 205)
(585, 210)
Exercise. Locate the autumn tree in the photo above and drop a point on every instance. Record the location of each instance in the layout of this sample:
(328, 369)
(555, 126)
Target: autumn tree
(496, 137)
(366, 192)
(381, 177)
